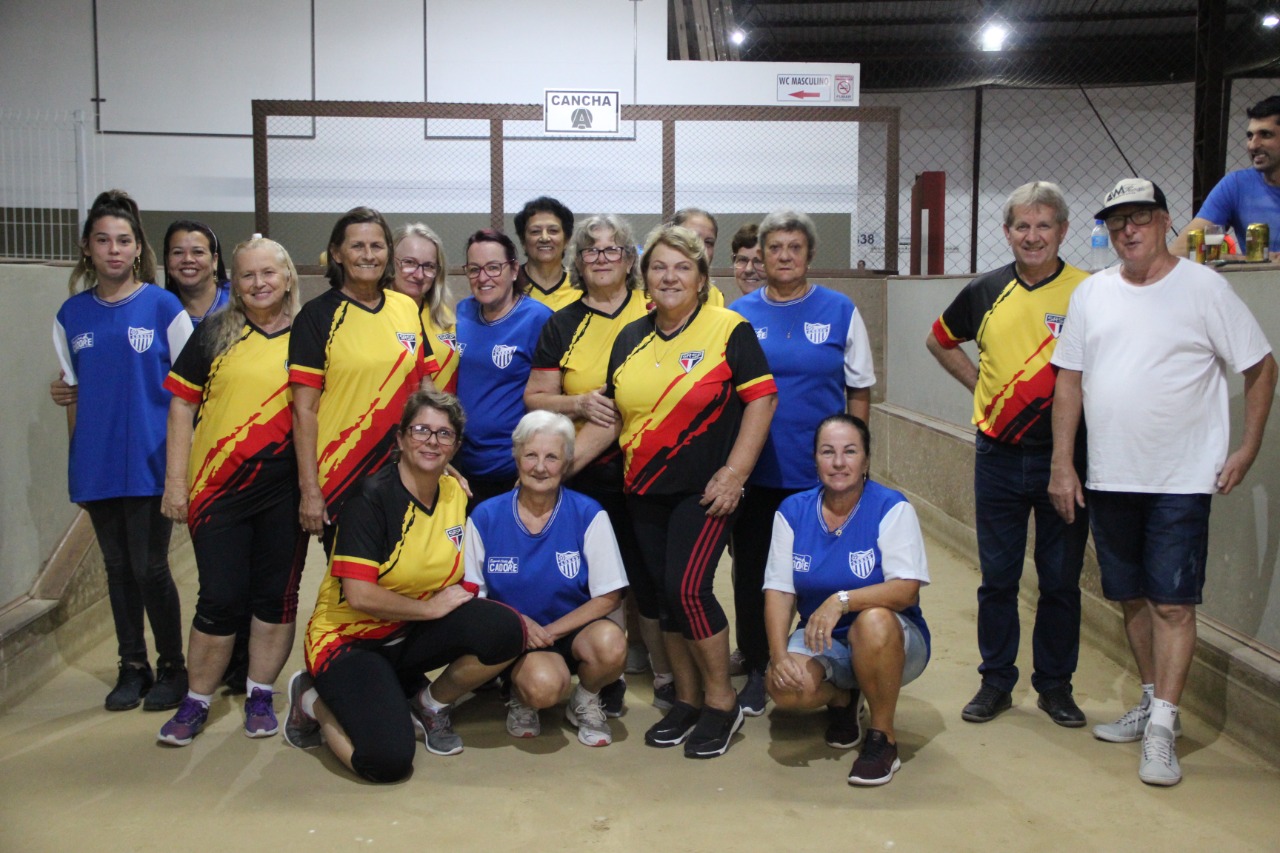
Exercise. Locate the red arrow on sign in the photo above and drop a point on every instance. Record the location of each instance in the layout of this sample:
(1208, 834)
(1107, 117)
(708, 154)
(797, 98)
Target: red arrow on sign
(803, 94)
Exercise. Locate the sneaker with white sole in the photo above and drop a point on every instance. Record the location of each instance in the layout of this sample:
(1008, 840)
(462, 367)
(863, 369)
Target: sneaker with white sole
(753, 696)
(1159, 765)
(300, 730)
(613, 697)
(259, 715)
(672, 729)
(877, 762)
(664, 694)
(188, 722)
(587, 713)
(1131, 726)
(437, 728)
(522, 721)
(713, 733)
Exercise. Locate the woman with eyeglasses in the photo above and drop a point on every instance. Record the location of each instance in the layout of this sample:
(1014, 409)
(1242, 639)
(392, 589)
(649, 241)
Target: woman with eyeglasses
(746, 252)
(498, 329)
(543, 226)
(820, 356)
(422, 275)
(356, 353)
(393, 606)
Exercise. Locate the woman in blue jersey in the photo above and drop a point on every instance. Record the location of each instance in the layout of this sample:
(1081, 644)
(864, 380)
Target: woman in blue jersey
(498, 328)
(116, 341)
(849, 556)
(818, 351)
(193, 268)
(550, 553)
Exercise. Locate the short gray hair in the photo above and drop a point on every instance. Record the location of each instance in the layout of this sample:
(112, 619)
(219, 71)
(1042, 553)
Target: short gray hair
(584, 237)
(789, 220)
(1037, 193)
(541, 421)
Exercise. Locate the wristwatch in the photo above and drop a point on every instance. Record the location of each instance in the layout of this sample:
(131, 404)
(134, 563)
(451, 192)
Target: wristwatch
(843, 597)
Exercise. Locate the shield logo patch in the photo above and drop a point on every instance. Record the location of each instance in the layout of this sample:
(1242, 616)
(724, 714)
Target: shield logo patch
(408, 340)
(568, 563)
(449, 339)
(690, 360)
(861, 563)
(817, 333)
(502, 354)
(1054, 323)
(141, 339)
(455, 536)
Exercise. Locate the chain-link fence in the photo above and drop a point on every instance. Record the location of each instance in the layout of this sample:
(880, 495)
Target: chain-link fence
(463, 166)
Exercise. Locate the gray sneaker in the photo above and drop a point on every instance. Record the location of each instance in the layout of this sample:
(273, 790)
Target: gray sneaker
(1159, 765)
(300, 731)
(586, 712)
(437, 729)
(522, 721)
(1131, 726)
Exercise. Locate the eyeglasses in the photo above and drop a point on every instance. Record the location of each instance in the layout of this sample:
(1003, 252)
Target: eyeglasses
(743, 261)
(610, 253)
(491, 269)
(429, 268)
(1142, 216)
(422, 433)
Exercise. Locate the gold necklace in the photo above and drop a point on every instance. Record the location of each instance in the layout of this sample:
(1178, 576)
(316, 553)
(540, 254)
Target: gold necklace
(659, 355)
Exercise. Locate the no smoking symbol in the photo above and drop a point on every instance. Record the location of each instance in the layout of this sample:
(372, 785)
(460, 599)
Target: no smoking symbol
(844, 87)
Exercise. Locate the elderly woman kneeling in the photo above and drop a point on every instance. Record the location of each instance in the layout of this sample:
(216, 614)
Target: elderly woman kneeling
(850, 557)
(550, 553)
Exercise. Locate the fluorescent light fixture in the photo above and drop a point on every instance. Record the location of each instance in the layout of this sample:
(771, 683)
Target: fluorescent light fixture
(1270, 20)
(993, 36)
(738, 36)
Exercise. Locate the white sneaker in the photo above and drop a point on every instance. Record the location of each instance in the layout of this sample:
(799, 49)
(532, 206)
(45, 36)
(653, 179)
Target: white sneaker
(637, 659)
(1131, 726)
(522, 721)
(586, 712)
(1159, 765)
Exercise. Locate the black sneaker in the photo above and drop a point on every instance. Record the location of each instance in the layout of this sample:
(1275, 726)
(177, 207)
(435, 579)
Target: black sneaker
(132, 683)
(672, 729)
(753, 696)
(612, 698)
(877, 762)
(843, 729)
(987, 703)
(169, 690)
(713, 733)
(1061, 707)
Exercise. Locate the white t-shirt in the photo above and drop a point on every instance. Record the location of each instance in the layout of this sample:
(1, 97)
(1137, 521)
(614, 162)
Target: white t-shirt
(1153, 360)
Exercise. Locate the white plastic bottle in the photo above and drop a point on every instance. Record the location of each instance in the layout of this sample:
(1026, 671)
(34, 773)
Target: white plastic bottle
(1100, 254)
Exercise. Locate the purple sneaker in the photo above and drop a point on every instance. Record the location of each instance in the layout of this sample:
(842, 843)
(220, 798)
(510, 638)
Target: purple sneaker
(185, 724)
(259, 716)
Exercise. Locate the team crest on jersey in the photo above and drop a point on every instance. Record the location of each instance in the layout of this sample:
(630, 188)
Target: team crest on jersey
(800, 562)
(502, 565)
(690, 360)
(817, 333)
(450, 340)
(762, 334)
(455, 536)
(84, 340)
(861, 563)
(408, 340)
(1054, 323)
(568, 562)
(141, 339)
(502, 354)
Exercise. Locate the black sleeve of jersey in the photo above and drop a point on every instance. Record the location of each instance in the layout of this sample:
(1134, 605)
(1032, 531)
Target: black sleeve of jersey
(194, 362)
(310, 334)
(551, 343)
(362, 526)
(963, 316)
(744, 355)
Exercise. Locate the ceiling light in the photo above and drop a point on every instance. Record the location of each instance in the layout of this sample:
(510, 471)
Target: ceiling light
(1270, 21)
(993, 36)
(738, 36)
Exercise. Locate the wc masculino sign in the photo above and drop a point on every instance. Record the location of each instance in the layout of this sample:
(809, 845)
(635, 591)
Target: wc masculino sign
(581, 111)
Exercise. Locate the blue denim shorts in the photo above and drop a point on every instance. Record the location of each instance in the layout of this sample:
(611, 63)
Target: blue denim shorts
(837, 661)
(1151, 546)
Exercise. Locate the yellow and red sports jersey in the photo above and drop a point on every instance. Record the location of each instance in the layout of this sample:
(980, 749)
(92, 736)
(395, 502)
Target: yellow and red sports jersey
(715, 296)
(681, 397)
(1016, 327)
(556, 298)
(366, 362)
(242, 449)
(386, 537)
(444, 349)
(578, 340)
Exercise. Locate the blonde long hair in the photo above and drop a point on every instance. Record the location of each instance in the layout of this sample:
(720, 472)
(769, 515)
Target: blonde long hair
(228, 324)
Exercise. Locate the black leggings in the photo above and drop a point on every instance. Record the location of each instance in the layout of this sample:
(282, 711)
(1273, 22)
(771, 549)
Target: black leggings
(681, 546)
(752, 534)
(363, 686)
(134, 538)
(640, 584)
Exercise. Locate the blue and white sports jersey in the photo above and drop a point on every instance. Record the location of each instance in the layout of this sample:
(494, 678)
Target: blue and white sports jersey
(119, 354)
(816, 347)
(880, 542)
(549, 574)
(494, 360)
(221, 296)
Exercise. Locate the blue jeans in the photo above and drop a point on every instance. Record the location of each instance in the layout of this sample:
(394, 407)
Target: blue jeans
(1010, 483)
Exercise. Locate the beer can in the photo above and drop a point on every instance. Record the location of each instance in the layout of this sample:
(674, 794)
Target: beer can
(1257, 242)
(1195, 245)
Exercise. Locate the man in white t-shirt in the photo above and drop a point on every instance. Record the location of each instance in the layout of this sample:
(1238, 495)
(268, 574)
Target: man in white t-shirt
(1143, 354)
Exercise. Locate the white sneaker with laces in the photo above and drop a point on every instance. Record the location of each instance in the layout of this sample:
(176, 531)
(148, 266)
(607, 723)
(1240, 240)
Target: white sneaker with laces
(1131, 726)
(586, 712)
(1159, 765)
(522, 721)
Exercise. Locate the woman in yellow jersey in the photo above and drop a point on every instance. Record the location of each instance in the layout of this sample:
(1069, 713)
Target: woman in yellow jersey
(393, 606)
(422, 275)
(568, 377)
(543, 225)
(355, 355)
(703, 224)
(233, 479)
(695, 398)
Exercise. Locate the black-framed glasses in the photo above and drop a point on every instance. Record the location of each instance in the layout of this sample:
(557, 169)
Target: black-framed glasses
(1141, 216)
(744, 261)
(430, 269)
(610, 253)
(491, 269)
(422, 433)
